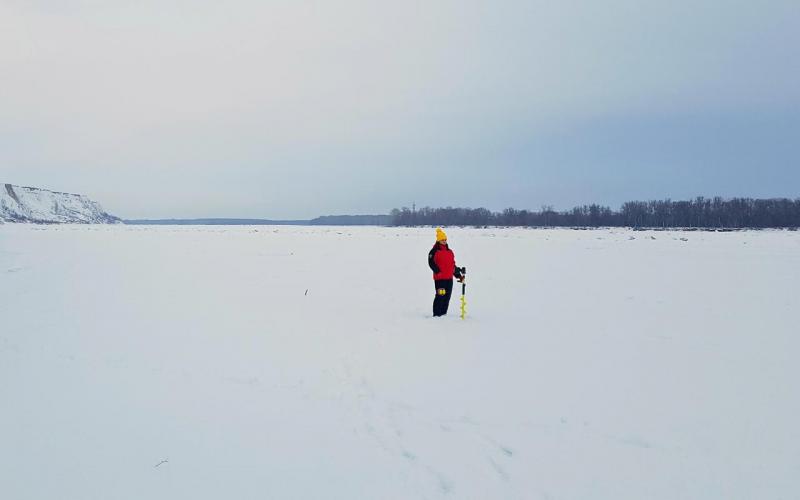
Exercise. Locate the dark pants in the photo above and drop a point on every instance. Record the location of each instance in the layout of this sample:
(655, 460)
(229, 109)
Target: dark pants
(441, 302)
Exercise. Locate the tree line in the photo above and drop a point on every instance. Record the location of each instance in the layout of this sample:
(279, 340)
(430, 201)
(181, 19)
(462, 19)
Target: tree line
(706, 213)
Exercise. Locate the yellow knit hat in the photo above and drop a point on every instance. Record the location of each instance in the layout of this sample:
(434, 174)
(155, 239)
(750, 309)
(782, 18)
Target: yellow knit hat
(440, 236)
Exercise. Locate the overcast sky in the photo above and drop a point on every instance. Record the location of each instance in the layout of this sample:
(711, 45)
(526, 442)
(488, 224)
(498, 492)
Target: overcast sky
(292, 109)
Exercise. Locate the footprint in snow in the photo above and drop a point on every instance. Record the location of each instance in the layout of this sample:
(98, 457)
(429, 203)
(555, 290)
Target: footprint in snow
(634, 441)
(503, 449)
(498, 469)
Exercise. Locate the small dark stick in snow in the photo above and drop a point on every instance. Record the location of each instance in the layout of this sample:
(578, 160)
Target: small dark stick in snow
(161, 463)
(306, 291)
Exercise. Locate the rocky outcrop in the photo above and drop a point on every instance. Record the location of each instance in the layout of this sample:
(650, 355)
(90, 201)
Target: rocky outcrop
(28, 204)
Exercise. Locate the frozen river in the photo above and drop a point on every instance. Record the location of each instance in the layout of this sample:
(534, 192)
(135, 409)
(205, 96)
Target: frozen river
(302, 362)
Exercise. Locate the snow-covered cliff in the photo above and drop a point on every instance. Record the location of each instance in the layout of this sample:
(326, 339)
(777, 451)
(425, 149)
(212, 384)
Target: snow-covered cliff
(27, 204)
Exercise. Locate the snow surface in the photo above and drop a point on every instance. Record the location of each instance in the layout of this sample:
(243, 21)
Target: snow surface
(143, 362)
(27, 204)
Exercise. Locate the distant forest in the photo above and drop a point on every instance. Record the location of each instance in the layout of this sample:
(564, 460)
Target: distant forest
(705, 213)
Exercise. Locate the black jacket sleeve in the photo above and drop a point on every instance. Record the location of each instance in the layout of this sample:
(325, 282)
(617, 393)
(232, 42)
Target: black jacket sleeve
(431, 261)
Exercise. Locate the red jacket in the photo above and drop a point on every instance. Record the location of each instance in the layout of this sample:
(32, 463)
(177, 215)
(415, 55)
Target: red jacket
(442, 262)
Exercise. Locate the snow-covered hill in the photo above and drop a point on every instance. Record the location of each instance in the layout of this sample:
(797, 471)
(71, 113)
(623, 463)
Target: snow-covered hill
(28, 204)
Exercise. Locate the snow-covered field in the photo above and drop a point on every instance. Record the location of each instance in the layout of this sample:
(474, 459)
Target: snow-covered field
(302, 362)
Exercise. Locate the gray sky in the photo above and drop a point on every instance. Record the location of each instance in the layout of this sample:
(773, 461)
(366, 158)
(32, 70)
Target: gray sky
(292, 109)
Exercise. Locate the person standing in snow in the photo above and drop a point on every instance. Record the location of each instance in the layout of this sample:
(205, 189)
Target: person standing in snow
(442, 262)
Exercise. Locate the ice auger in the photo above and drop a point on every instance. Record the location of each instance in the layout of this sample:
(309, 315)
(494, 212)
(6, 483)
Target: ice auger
(463, 292)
